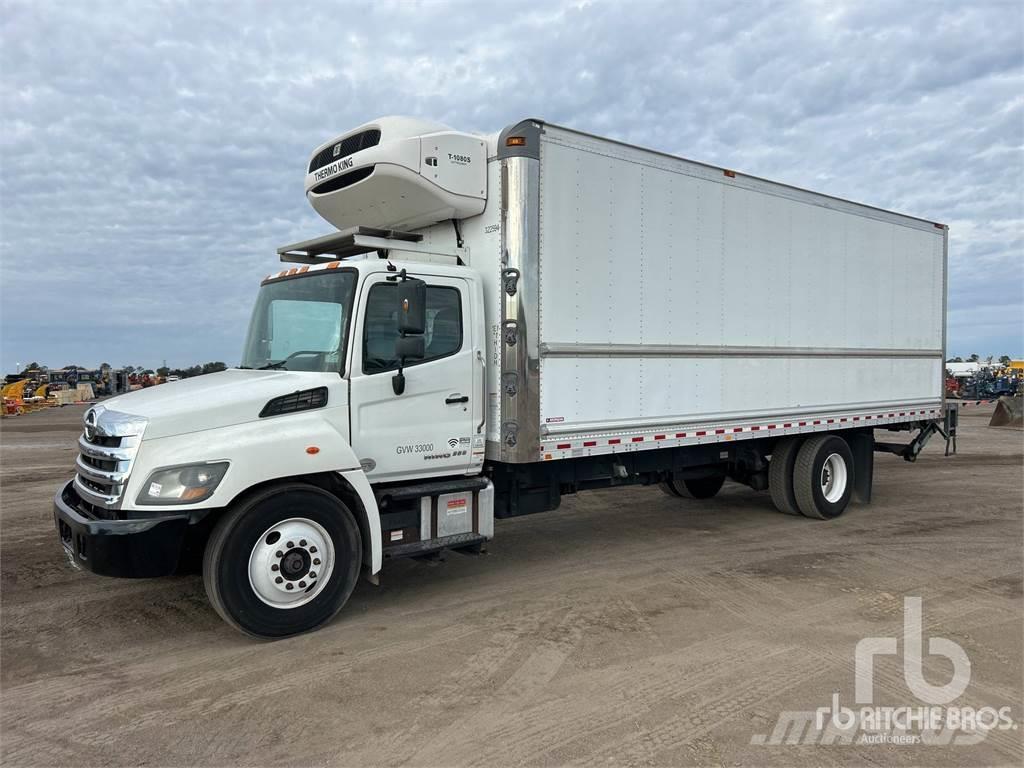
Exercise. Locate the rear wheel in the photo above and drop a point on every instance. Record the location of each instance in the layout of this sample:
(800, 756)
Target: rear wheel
(780, 475)
(283, 562)
(823, 477)
(694, 488)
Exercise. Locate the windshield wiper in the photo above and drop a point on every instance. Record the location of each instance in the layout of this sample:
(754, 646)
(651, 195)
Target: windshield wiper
(273, 365)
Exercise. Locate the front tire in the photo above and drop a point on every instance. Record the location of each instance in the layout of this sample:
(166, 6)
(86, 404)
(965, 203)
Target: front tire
(282, 562)
(823, 477)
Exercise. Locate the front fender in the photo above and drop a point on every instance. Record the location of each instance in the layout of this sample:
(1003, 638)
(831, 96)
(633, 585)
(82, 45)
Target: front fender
(270, 449)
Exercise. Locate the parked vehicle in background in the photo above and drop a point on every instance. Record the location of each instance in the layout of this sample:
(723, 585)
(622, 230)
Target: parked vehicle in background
(501, 320)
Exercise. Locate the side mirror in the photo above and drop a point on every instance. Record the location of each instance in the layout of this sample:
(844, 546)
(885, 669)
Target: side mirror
(412, 307)
(412, 324)
(410, 348)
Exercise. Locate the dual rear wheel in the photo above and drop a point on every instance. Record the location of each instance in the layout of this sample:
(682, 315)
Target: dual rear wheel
(812, 477)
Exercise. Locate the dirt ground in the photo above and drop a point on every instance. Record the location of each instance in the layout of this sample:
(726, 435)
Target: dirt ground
(627, 628)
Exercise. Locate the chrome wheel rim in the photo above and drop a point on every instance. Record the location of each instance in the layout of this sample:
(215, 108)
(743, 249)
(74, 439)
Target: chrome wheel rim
(291, 563)
(833, 478)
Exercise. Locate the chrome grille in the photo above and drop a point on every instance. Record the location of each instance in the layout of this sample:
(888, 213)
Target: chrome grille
(106, 452)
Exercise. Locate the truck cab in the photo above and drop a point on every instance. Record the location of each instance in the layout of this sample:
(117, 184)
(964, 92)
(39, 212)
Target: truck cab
(336, 325)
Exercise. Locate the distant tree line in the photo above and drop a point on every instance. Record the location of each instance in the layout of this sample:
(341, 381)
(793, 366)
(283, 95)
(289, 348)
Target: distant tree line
(192, 370)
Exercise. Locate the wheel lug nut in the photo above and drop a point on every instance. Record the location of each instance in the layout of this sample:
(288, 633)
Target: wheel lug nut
(312, 549)
(316, 561)
(274, 567)
(291, 545)
(278, 580)
(312, 574)
(288, 586)
(302, 542)
(302, 584)
(279, 553)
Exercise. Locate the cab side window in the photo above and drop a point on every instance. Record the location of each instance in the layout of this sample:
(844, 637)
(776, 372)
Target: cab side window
(380, 331)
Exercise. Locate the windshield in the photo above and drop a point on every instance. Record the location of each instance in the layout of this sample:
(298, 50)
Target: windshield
(301, 323)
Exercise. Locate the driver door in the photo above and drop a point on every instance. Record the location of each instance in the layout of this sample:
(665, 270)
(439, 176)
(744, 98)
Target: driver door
(427, 430)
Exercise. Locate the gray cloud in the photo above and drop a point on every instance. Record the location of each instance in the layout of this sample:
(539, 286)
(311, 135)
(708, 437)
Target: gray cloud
(152, 155)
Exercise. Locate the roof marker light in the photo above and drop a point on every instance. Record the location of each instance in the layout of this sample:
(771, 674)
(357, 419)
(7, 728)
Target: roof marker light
(515, 141)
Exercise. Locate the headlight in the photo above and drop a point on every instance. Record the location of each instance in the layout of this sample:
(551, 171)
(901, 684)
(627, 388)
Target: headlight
(186, 484)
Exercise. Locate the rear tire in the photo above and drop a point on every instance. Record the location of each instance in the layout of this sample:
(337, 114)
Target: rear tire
(823, 477)
(780, 475)
(296, 536)
(694, 488)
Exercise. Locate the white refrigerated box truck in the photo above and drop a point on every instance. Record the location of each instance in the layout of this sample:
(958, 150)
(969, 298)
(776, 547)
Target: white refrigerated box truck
(501, 320)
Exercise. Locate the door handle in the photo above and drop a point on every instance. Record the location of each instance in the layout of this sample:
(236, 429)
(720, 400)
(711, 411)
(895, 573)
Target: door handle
(456, 399)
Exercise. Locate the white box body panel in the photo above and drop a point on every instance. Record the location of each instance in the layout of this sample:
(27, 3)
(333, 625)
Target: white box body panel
(640, 251)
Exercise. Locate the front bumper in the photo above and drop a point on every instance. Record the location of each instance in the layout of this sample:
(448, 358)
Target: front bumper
(127, 548)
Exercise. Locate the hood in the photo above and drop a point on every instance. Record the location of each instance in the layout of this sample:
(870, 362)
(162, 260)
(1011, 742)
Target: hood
(219, 399)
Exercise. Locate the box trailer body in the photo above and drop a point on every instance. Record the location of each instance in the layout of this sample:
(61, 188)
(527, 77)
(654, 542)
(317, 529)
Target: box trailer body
(661, 295)
(499, 321)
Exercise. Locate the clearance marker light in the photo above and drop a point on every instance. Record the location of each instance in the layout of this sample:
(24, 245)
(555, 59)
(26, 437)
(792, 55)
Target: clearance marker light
(515, 141)
(730, 174)
(312, 450)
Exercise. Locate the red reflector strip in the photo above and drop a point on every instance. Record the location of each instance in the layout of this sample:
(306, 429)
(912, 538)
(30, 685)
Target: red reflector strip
(638, 439)
(719, 431)
(771, 426)
(589, 443)
(855, 418)
(614, 441)
(786, 426)
(701, 434)
(817, 421)
(563, 446)
(754, 429)
(891, 415)
(842, 421)
(659, 437)
(801, 423)
(830, 421)
(680, 434)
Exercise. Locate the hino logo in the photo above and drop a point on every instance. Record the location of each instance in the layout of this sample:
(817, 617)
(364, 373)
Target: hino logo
(90, 424)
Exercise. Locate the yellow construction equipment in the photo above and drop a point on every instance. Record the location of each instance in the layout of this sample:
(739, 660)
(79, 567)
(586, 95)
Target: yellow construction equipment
(14, 397)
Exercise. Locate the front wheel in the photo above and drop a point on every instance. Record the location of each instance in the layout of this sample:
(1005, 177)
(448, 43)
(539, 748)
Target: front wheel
(283, 562)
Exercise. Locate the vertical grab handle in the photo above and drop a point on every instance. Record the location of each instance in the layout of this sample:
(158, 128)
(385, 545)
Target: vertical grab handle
(483, 392)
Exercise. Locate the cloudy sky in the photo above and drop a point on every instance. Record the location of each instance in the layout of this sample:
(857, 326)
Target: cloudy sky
(152, 154)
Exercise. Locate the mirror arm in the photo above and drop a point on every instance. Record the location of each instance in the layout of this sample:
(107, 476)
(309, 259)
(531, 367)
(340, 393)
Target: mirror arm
(398, 380)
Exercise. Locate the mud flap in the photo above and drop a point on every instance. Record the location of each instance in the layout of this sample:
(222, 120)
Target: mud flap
(862, 445)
